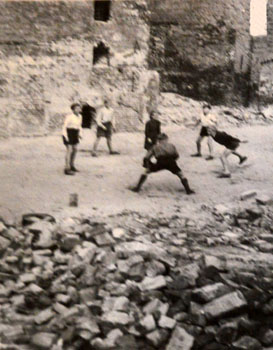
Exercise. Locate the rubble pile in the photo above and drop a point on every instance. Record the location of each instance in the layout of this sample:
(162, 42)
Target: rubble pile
(177, 109)
(85, 284)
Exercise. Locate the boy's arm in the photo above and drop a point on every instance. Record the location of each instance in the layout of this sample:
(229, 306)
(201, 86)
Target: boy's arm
(98, 120)
(64, 130)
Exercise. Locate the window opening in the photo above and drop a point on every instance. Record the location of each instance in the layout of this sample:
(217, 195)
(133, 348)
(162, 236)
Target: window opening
(101, 54)
(102, 10)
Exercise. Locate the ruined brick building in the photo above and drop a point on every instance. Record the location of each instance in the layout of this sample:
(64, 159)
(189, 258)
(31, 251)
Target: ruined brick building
(262, 62)
(56, 52)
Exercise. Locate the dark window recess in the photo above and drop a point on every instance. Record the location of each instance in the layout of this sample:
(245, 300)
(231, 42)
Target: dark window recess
(88, 116)
(102, 10)
(100, 52)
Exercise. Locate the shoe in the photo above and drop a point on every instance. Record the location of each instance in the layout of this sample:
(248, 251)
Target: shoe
(242, 160)
(93, 154)
(222, 176)
(209, 158)
(74, 169)
(68, 172)
(190, 192)
(134, 189)
(196, 155)
(114, 152)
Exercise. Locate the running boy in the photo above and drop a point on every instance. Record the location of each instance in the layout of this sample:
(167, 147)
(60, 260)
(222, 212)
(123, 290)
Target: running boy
(207, 120)
(152, 130)
(72, 132)
(166, 156)
(231, 144)
(105, 126)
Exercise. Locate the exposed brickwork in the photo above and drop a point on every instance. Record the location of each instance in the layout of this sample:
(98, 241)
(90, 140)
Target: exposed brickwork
(201, 48)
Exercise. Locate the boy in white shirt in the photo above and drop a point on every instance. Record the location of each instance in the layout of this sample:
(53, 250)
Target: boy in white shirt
(207, 120)
(105, 126)
(72, 132)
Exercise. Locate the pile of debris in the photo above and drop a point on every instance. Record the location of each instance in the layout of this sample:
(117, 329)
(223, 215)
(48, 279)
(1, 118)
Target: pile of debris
(83, 284)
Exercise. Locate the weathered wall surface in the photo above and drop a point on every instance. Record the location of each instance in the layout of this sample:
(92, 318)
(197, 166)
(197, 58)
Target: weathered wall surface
(46, 62)
(262, 63)
(201, 48)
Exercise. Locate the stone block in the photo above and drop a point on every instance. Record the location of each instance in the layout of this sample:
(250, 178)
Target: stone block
(263, 246)
(267, 338)
(118, 232)
(27, 278)
(104, 239)
(155, 268)
(156, 305)
(180, 339)
(44, 316)
(4, 243)
(147, 324)
(63, 298)
(86, 252)
(264, 199)
(69, 242)
(166, 322)
(248, 194)
(228, 303)
(118, 304)
(152, 283)
(44, 340)
(117, 318)
(210, 292)
(227, 333)
(60, 308)
(157, 337)
(213, 261)
(143, 249)
(266, 237)
(247, 343)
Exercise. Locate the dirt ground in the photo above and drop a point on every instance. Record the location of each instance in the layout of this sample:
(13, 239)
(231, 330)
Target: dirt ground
(32, 179)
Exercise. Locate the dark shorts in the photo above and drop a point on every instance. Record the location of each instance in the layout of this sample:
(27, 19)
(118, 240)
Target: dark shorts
(233, 145)
(204, 131)
(165, 164)
(227, 140)
(105, 133)
(73, 137)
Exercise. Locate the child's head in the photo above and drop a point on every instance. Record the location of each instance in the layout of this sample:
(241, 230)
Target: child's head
(152, 115)
(162, 137)
(76, 108)
(206, 108)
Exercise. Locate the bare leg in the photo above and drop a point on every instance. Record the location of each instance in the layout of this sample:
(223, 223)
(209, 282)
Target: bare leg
(198, 145)
(96, 143)
(224, 160)
(73, 156)
(210, 142)
(68, 157)
(109, 144)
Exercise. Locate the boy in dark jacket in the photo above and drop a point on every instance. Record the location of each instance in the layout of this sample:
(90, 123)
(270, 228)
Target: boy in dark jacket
(166, 156)
(152, 130)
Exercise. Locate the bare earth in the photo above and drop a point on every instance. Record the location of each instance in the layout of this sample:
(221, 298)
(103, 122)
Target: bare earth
(32, 179)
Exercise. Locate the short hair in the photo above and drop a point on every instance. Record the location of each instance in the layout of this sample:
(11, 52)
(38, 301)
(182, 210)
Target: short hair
(162, 136)
(74, 105)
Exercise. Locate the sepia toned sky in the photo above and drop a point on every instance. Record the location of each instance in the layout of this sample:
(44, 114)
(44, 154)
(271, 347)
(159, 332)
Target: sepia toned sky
(258, 17)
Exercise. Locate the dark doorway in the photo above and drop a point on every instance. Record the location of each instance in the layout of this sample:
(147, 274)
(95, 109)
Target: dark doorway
(100, 52)
(88, 116)
(102, 10)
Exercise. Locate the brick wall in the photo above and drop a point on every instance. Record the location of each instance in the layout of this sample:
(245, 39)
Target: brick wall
(46, 62)
(201, 48)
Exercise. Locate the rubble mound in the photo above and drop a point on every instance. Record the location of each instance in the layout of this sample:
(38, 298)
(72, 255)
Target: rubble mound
(177, 109)
(86, 284)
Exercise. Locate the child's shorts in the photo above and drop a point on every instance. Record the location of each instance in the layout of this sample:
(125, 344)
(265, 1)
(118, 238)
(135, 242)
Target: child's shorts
(73, 137)
(165, 164)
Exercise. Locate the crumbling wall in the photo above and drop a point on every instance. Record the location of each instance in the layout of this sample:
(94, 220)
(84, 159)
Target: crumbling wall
(46, 62)
(201, 48)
